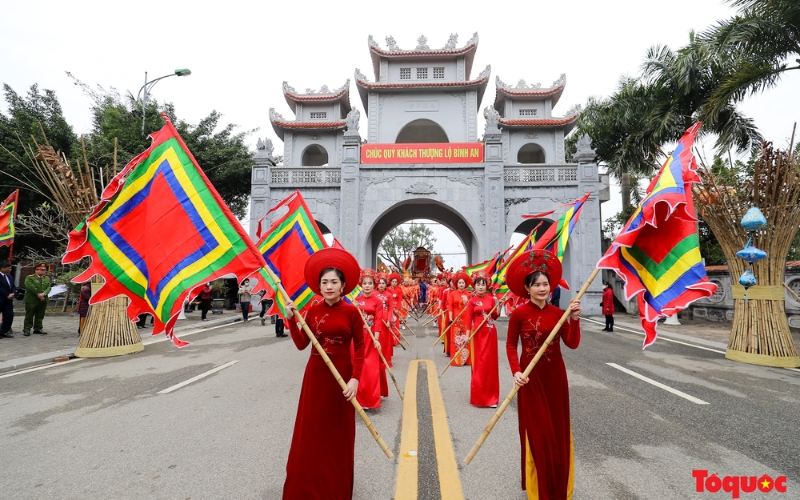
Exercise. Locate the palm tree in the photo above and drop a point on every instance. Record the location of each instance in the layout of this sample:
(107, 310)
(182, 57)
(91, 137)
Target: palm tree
(683, 82)
(616, 125)
(758, 43)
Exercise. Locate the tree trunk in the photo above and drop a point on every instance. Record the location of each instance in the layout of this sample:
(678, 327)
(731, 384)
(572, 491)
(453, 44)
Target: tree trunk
(625, 187)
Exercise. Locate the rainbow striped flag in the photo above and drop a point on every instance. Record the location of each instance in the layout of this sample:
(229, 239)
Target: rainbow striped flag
(499, 276)
(160, 231)
(286, 246)
(8, 212)
(350, 297)
(482, 266)
(657, 253)
(555, 239)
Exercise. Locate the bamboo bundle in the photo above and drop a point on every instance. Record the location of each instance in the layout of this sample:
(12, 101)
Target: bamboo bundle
(760, 332)
(107, 330)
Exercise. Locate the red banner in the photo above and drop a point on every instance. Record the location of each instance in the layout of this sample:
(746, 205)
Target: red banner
(465, 152)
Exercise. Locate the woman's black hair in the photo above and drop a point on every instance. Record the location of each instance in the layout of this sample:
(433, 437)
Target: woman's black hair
(531, 278)
(478, 280)
(606, 283)
(329, 269)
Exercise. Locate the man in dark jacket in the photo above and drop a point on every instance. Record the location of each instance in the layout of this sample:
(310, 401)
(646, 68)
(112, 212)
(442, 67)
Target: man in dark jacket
(7, 291)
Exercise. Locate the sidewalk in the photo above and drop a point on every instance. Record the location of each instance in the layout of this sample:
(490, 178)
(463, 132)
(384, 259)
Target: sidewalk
(702, 332)
(62, 338)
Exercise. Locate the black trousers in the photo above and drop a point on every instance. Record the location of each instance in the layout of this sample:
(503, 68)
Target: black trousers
(610, 322)
(7, 310)
(205, 305)
(245, 309)
(263, 310)
(278, 325)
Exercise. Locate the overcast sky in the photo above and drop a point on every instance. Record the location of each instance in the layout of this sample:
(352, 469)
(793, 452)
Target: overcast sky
(240, 52)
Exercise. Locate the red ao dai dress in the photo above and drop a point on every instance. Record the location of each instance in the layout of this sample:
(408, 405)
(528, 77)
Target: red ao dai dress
(545, 429)
(397, 306)
(458, 335)
(384, 336)
(369, 385)
(323, 442)
(444, 319)
(485, 385)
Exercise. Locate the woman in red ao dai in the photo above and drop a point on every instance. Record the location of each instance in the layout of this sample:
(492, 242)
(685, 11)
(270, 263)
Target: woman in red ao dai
(323, 442)
(369, 386)
(485, 385)
(545, 429)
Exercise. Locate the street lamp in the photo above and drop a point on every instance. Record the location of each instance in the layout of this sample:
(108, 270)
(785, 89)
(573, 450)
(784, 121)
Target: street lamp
(149, 85)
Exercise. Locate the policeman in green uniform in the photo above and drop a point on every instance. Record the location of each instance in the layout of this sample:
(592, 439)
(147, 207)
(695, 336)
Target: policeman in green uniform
(37, 286)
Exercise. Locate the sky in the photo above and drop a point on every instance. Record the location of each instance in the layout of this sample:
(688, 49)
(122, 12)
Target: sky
(241, 52)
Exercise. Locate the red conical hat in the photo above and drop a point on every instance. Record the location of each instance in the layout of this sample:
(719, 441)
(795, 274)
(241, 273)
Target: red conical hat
(528, 263)
(337, 259)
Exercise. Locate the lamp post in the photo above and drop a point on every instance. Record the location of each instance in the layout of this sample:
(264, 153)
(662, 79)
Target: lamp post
(149, 85)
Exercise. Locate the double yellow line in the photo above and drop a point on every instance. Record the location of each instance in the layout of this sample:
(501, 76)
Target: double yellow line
(407, 467)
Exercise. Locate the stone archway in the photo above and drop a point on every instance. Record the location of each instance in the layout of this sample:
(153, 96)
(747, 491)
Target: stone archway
(422, 131)
(419, 209)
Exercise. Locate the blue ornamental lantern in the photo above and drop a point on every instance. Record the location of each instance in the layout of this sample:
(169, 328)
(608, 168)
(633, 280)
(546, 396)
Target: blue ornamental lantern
(747, 279)
(751, 254)
(754, 220)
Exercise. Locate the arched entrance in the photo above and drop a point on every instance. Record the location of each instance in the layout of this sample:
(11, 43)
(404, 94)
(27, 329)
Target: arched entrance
(422, 130)
(314, 156)
(419, 209)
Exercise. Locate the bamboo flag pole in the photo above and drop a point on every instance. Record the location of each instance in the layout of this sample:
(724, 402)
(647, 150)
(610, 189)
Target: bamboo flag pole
(485, 319)
(448, 327)
(432, 318)
(395, 336)
(528, 370)
(380, 353)
(401, 337)
(332, 368)
(409, 328)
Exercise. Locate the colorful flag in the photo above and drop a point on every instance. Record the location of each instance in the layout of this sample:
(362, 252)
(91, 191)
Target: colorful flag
(657, 253)
(555, 239)
(499, 276)
(286, 246)
(481, 266)
(159, 231)
(350, 297)
(8, 212)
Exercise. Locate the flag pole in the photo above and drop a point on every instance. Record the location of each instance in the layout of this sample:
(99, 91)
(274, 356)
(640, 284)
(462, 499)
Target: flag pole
(448, 327)
(401, 336)
(486, 318)
(395, 336)
(528, 370)
(332, 368)
(432, 318)
(380, 353)
(409, 328)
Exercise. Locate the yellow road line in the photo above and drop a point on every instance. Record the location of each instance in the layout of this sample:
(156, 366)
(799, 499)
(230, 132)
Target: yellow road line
(449, 481)
(407, 470)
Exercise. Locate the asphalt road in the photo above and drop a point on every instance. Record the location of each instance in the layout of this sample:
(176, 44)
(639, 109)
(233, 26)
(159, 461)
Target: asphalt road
(99, 428)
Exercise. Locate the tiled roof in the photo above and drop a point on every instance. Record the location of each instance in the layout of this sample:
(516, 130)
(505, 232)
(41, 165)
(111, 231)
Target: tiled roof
(431, 84)
(311, 125)
(544, 122)
(423, 53)
(790, 263)
(531, 92)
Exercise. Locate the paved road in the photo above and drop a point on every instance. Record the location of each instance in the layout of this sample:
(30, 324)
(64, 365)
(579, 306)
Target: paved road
(100, 429)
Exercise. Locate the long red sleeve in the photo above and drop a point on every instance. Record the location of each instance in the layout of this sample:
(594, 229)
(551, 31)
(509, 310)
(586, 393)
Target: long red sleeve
(299, 337)
(512, 339)
(357, 328)
(571, 333)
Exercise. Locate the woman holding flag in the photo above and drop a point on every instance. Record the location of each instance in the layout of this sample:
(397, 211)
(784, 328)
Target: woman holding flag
(456, 303)
(369, 386)
(383, 332)
(545, 430)
(324, 431)
(397, 304)
(482, 310)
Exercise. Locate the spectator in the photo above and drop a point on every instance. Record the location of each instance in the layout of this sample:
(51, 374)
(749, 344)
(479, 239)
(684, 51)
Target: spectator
(83, 304)
(37, 287)
(7, 291)
(555, 297)
(205, 300)
(245, 294)
(608, 306)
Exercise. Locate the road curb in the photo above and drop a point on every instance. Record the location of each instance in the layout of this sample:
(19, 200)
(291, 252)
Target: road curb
(50, 357)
